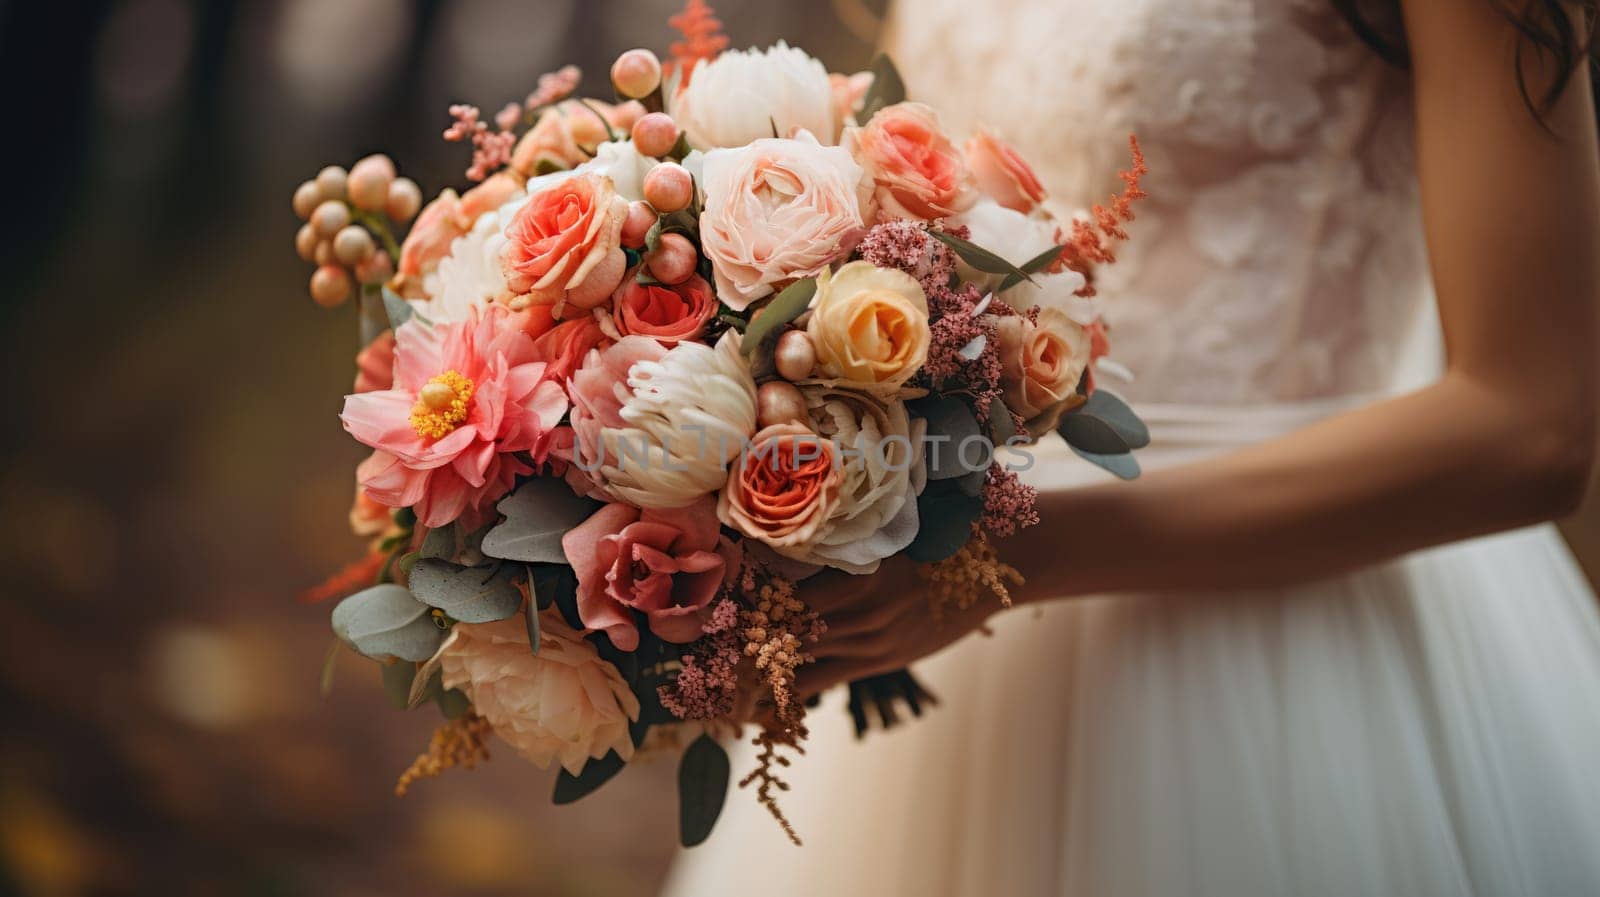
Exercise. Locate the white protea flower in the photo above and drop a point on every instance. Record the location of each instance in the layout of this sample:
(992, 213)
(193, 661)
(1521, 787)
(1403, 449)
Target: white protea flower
(658, 428)
(743, 95)
(880, 448)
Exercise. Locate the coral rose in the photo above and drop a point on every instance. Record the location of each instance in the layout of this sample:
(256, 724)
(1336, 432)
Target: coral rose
(564, 244)
(467, 399)
(917, 171)
(1002, 173)
(742, 96)
(564, 703)
(784, 488)
(775, 211)
(428, 241)
(565, 346)
(665, 564)
(667, 314)
(1042, 361)
(655, 427)
(869, 326)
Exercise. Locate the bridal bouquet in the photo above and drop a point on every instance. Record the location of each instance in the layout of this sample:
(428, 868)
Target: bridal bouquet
(670, 355)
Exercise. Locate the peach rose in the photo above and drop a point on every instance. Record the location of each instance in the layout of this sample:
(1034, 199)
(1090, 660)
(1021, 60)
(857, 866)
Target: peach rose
(428, 241)
(488, 196)
(775, 211)
(917, 171)
(566, 134)
(666, 564)
(849, 92)
(784, 488)
(564, 244)
(1002, 173)
(666, 314)
(869, 325)
(563, 347)
(1041, 361)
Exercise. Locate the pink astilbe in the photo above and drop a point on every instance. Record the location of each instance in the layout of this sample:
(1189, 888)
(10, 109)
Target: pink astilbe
(491, 150)
(1090, 242)
(709, 681)
(904, 245)
(954, 327)
(553, 87)
(1008, 503)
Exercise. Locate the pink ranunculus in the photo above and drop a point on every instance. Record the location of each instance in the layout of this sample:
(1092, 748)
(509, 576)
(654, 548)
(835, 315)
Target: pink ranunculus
(667, 314)
(565, 244)
(917, 171)
(466, 398)
(665, 563)
(775, 211)
(1002, 173)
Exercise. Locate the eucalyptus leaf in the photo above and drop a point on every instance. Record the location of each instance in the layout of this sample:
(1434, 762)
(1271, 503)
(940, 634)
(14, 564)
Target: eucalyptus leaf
(1032, 266)
(397, 678)
(1091, 434)
(702, 789)
(370, 312)
(452, 703)
(947, 515)
(535, 634)
(385, 622)
(595, 773)
(951, 424)
(467, 594)
(887, 88)
(971, 483)
(1001, 427)
(1111, 409)
(767, 324)
(652, 237)
(538, 514)
(978, 257)
(440, 542)
(325, 681)
(397, 309)
(1124, 465)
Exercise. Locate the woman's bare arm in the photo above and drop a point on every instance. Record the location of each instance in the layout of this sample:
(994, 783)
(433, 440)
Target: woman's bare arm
(1506, 437)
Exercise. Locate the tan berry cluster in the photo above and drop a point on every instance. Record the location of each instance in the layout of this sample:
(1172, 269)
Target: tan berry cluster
(347, 215)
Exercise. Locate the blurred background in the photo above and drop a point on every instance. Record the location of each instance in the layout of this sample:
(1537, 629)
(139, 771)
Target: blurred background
(173, 472)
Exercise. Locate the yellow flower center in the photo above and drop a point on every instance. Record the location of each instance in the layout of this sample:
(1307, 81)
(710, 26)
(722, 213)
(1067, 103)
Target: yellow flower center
(442, 405)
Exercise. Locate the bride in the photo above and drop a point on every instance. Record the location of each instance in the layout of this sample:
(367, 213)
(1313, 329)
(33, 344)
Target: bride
(1285, 687)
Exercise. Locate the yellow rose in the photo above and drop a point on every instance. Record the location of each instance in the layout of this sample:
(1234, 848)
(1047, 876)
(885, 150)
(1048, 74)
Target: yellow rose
(870, 325)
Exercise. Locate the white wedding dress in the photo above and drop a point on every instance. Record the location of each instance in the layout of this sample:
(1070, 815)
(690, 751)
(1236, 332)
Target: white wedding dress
(1426, 727)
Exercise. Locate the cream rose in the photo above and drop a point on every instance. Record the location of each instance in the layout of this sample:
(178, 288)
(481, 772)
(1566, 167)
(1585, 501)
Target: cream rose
(742, 96)
(869, 325)
(881, 454)
(564, 703)
(775, 211)
(1041, 364)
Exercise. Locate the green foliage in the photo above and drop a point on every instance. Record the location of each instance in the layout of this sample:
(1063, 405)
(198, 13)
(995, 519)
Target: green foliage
(702, 789)
(538, 514)
(887, 89)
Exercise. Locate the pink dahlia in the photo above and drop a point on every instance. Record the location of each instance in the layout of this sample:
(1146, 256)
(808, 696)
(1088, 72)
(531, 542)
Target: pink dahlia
(467, 397)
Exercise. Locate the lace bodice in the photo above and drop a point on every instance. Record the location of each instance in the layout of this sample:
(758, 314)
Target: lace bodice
(1280, 254)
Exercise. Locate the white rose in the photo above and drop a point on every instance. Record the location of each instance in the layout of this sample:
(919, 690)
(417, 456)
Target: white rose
(624, 165)
(742, 95)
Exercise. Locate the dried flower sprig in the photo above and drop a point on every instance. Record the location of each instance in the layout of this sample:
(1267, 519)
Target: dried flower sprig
(459, 742)
(1009, 504)
(708, 685)
(973, 573)
(765, 776)
(490, 149)
(1090, 241)
(777, 631)
(352, 578)
(702, 36)
(554, 87)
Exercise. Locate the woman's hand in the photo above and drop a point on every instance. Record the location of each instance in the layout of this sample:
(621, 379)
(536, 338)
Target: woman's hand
(877, 623)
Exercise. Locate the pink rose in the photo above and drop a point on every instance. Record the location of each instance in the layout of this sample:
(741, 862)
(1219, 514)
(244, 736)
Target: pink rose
(849, 91)
(784, 488)
(917, 171)
(776, 211)
(664, 313)
(1003, 174)
(1041, 363)
(667, 564)
(564, 244)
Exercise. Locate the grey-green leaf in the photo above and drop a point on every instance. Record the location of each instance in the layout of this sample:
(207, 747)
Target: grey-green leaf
(947, 515)
(1001, 427)
(702, 789)
(978, 257)
(595, 773)
(767, 324)
(1032, 266)
(397, 678)
(1108, 407)
(887, 89)
(467, 594)
(1124, 465)
(398, 309)
(951, 424)
(440, 542)
(1091, 434)
(385, 622)
(538, 514)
